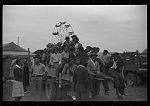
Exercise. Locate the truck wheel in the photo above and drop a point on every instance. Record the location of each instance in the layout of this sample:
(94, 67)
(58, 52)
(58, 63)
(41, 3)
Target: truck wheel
(131, 79)
(50, 90)
(138, 79)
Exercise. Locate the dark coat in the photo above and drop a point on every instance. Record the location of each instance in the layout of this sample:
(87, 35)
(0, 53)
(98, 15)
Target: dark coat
(120, 63)
(18, 74)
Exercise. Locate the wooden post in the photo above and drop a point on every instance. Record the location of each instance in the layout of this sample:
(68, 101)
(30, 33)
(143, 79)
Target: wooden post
(29, 60)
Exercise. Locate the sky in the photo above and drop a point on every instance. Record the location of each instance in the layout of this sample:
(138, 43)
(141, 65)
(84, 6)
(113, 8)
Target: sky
(116, 28)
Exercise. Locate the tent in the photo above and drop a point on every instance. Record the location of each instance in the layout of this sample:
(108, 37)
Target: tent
(11, 51)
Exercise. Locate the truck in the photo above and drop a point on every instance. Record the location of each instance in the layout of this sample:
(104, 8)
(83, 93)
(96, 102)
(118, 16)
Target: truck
(135, 67)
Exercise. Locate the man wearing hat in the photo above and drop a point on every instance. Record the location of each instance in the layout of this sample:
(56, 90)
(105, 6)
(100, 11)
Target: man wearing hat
(37, 72)
(115, 71)
(94, 70)
(72, 42)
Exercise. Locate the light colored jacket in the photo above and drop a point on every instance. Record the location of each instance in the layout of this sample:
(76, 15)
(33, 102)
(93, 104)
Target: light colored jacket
(93, 66)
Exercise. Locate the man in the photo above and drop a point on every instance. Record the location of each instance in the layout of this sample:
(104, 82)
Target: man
(65, 56)
(69, 68)
(77, 45)
(88, 50)
(44, 57)
(37, 73)
(48, 56)
(67, 41)
(94, 70)
(115, 69)
(56, 61)
(105, 57)
(80, 79)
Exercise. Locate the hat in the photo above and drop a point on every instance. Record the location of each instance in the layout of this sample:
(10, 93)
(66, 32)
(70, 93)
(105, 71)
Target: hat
(37, 56)
(73, 36)
(93, 54)
(115, 54)
(55, 48)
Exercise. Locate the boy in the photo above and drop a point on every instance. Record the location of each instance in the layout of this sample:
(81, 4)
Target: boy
(80, 79)
(94, 70)
(37, 73)
(56, 60)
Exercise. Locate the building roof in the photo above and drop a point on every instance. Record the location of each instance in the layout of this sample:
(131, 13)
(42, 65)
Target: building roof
(13, 47)
(145, 51)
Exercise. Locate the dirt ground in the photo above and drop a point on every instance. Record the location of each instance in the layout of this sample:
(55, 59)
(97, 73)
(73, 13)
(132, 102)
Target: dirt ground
(135, 93)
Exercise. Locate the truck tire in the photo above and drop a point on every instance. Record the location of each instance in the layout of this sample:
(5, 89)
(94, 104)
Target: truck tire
(138, 79)
(131, 79)
(50, 89)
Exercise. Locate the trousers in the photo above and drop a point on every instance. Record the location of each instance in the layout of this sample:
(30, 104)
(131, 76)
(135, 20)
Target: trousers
(36, 88)
(82, 93)
(118, 78)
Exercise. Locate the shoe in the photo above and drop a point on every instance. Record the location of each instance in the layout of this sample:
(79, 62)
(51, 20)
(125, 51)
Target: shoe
(90, 95)
(125, 94)
(107, 93)
(73, 97)
(120, 97)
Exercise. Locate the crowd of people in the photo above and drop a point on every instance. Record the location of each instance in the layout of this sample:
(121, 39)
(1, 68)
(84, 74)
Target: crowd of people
(82, 64)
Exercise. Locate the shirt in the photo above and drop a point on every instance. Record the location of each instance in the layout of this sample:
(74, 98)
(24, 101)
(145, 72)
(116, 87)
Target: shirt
(55, 58)
(114, 64)
(65, 54)
(38, 69)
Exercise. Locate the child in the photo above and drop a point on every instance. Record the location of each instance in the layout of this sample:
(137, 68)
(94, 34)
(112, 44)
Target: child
(18, 91)
(80, 79)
